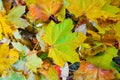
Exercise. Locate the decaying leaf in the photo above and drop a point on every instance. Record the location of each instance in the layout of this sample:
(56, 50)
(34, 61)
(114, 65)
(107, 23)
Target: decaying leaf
(37, 38)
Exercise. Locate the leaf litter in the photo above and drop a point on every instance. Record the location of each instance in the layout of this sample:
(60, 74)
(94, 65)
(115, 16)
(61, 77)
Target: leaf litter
(59, 39)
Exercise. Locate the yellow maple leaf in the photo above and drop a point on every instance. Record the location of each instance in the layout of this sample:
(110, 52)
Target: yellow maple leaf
(13, 56)
(7, 57)
(5, 29)
(92, 9)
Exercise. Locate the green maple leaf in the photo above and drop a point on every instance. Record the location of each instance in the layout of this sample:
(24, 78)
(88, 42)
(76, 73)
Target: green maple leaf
(62, 42)
(104, 60)
(14, 16)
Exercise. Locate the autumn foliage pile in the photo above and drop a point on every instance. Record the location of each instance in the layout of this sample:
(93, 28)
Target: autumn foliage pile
(59, 39)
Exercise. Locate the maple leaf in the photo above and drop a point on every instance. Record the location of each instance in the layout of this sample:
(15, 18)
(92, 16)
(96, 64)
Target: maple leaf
(43, 9)
(60, 39)
(92, 8)
(49, 71)
(13, 56)
(14, 17)
(33, 62)
(7, 57)
(5, 29)
(87, 71)
(103, 60)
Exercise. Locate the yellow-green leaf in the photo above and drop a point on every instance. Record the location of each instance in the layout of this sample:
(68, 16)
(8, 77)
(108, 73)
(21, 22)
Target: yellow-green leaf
(33, 62)
(62, 42)
(103, 60)
(14, 17)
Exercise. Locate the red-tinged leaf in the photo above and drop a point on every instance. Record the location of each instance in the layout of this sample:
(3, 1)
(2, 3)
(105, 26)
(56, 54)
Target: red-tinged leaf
(87, 71)
(36, 13)
(57, 68)
(43, 9)
(49, 72)
(105, 74)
